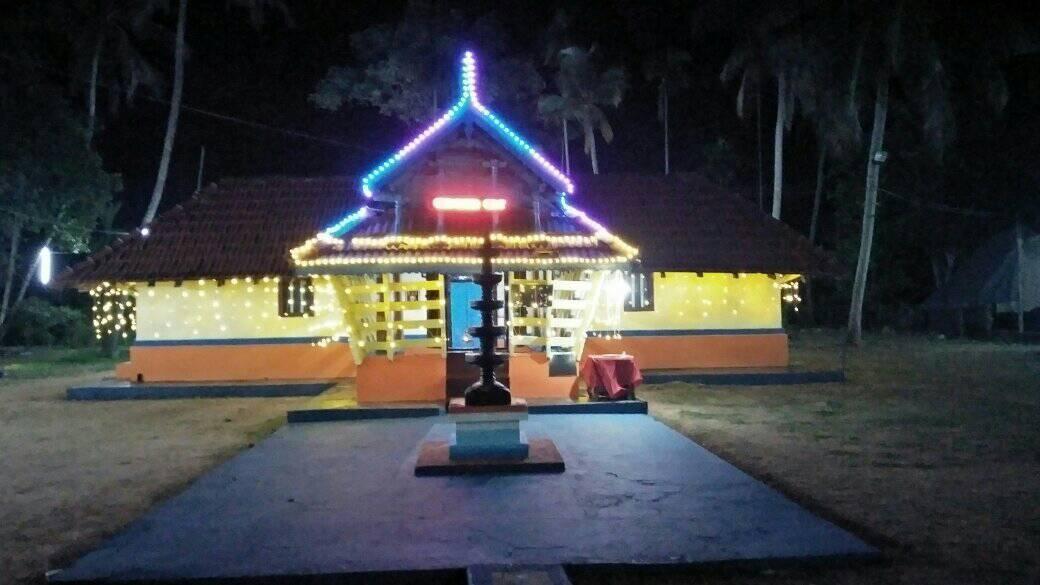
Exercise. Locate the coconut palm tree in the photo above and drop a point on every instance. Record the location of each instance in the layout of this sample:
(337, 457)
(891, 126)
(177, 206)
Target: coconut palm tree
(559, 109)
(905, 44)
(837, 131)
(898, 45)
(777, 49)
(256, 9)
(106, 36)
(670, 70)
(589, 87)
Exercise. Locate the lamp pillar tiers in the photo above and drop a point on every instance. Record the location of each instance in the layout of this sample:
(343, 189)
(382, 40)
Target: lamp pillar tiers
(488, 391)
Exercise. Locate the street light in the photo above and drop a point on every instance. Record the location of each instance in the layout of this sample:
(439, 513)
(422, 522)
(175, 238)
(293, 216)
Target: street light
(46, 265)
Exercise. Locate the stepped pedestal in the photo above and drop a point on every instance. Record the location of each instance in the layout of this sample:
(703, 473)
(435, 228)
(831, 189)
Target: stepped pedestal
(488, 432)
(487, 440)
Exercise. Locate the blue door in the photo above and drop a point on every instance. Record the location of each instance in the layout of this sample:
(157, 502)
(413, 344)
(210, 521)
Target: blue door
(462, 293)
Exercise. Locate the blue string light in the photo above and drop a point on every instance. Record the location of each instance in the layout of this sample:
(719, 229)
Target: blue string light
(468, 102)
(344, 225)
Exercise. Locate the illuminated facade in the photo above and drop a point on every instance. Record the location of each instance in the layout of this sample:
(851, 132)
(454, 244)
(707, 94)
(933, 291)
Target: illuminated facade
(381, 290)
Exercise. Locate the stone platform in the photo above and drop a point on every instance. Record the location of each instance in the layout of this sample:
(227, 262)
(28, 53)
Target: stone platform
(542, 457)
(341, 498)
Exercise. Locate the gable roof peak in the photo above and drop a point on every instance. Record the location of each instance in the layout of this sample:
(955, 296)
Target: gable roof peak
(469, 105)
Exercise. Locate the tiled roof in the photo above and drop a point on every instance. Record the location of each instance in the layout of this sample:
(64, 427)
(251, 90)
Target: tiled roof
(684, 223)
(238, 227)
(244, 227)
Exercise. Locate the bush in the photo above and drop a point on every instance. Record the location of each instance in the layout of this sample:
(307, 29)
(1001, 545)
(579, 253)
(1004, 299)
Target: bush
(40, 322)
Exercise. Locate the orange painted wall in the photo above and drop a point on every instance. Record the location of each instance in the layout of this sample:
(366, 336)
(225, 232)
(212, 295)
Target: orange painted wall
(697, 351)
(421, 376)
(417, 377)
(224, 363)
(529, 378)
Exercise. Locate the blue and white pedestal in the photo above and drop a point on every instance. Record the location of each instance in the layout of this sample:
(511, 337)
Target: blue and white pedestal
(488, 440)
(487, 432)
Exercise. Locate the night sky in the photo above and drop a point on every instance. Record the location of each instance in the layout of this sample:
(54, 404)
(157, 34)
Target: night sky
(266, 77)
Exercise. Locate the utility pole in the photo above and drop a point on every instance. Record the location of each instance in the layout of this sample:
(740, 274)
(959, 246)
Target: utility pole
(202, 164)
(1019, 278)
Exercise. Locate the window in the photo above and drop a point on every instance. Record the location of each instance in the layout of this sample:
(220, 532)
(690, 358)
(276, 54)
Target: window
(640, 292)
(295, 297)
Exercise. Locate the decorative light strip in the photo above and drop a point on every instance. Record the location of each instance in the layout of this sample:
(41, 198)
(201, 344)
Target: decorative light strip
(553, 240)
(519, 143)
(310, 246)
(468, 204)
(113, 310)
(468, 100)
(464, 260)
(597, 228)
(440, 240)
(341, 227)
(330, 235)
(472, 242)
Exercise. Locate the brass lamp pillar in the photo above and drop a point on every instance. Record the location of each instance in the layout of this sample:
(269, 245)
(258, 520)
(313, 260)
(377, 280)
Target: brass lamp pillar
(487, 391)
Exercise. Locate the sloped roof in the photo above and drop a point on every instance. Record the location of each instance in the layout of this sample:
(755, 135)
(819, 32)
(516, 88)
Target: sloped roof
(989, 275)
(246, 227)
(683, 222)
(238, 227)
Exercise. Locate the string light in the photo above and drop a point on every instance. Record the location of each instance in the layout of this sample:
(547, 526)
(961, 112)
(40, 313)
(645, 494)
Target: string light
(521, 241)
(469, 102)
(416, 242)
(461, 260)
(344, 225)
(113, 310)
(316, 251)
(789, 292)
(600, 231)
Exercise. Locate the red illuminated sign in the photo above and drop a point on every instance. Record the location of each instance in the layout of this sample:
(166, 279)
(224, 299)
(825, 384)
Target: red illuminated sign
(468, 204)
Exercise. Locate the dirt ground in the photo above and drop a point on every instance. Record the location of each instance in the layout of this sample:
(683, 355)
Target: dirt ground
(931, 451)
(72, 473)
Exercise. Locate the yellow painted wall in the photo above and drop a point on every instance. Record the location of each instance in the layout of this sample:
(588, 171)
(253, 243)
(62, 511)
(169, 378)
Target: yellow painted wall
(683, 300)
(247, 309)
(237, 309)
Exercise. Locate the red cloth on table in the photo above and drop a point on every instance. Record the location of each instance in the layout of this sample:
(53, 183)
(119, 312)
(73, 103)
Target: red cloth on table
(616, 373)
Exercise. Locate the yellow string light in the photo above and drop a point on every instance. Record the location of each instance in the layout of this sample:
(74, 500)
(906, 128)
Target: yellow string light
(113, 310)
(304, 255)
(459, 260)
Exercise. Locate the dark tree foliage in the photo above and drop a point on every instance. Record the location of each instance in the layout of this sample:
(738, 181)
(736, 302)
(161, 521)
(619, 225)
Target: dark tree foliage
(53, 189)
(408, 69)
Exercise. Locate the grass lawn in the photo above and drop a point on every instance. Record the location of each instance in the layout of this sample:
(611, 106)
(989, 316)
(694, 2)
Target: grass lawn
(36, 362)
(931, 451)
(73, 473)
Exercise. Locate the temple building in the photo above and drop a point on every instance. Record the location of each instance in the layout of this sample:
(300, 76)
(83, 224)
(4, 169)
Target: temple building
(372, 278)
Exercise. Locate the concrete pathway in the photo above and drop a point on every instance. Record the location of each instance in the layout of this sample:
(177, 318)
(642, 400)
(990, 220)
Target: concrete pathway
(331, 498)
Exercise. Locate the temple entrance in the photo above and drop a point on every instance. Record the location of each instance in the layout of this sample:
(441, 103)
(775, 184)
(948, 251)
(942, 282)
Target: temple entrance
(461, 316)
(461, 292)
